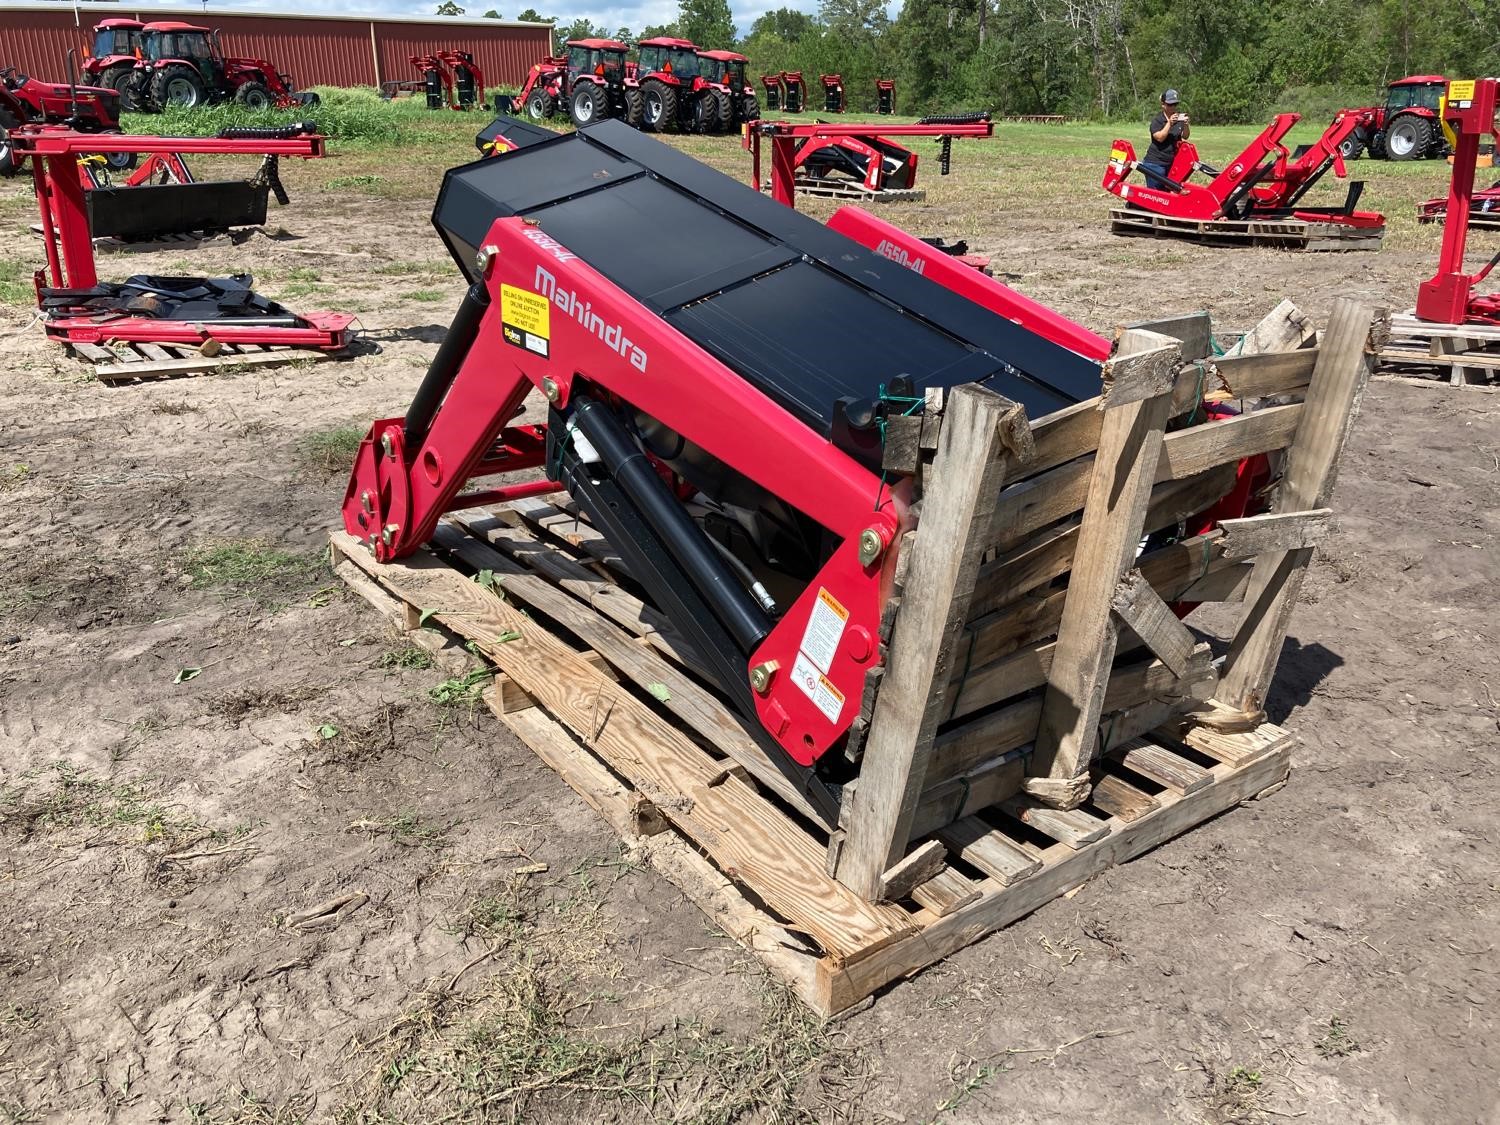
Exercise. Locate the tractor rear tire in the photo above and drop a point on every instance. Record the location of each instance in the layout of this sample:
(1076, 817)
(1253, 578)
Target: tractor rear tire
(540, 105)
(635, 107)
(254, 95)
(660, 106)
(750, 106)
(1408, 138)
(178, 85)
(590, 104)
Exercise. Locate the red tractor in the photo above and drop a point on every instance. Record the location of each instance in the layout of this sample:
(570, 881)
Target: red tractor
(113, 55)
(28, 101)
(590, 81)
(185, 65)
(1409, 126)
(725, 71)
(674, 92)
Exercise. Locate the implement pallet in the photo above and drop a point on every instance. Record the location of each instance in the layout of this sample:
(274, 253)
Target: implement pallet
(1478, 220)
(1459, 355)
(1040, 712)
(141, 362)
(731, 847)
(847, 189)
(1279, 234)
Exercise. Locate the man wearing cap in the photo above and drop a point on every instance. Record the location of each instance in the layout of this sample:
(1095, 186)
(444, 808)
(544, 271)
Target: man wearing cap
(1168, 128)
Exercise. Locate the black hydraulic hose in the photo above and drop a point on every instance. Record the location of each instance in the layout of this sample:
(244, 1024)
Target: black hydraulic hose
(267, 132)
(444, 368)
(740, 614)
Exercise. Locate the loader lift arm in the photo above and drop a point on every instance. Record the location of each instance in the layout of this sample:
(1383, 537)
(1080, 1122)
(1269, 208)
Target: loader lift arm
(709, 373)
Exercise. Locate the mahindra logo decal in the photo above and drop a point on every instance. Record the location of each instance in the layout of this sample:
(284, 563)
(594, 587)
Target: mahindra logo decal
(571, 304)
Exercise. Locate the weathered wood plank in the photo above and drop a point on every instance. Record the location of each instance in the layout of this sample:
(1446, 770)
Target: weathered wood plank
(148, 369)
(1347, 356)
(1162, 766)
(1153, 621)
(729, 820)
(982, 433)
(988, 849)
(1275, 531)
(1120, 799)
(946, 892)
(1114, 514)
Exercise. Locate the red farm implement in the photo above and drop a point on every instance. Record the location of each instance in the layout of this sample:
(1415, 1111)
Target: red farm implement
(852, 161)
(840, 586)
(773, 88)
(793, 92)
(450, 80)
(833, 92)
(82, 312)
(29, 101)
(1455, 328)
(1257, 198)
(885, 96)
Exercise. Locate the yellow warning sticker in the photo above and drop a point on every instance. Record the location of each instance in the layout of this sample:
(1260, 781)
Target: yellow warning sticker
(1461, 90)
(528, 311)
(1117, 154)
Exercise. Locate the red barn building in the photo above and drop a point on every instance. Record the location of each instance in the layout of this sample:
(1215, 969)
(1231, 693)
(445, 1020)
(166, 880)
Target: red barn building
(315, 49)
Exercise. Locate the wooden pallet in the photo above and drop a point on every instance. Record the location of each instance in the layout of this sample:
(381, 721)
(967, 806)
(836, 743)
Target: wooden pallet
(658, 772)
(847, 189)
(1459, 355)
(1039, 713)
(1280, 234)
(1478, 220)
(135, 363)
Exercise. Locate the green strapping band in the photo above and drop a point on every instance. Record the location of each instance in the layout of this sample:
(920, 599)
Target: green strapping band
(964, 675)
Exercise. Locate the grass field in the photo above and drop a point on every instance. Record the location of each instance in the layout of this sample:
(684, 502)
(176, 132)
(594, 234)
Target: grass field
(206, 740)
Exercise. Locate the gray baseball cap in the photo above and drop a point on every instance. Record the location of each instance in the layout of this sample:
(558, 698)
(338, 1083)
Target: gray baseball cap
(1170, 97)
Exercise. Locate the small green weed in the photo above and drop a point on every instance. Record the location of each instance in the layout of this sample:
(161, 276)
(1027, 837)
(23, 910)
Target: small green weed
(406, 269)
(67, 797)
(1336, 1042)
(15, 282)
(365, 180)
(407, 828)
(250, 568)
(14, 477)
(426, 295)
(332, 451)
(461, 690)
(409, 656)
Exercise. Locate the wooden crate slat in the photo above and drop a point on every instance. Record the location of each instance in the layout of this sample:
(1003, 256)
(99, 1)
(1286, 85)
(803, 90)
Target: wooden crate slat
(946, 892)
(158, 369)
(988, 849)
(723, 815)
(1072, 827)
(1120, 799)
(1160, 765)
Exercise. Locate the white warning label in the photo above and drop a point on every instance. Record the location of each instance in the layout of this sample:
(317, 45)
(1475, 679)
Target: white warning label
(818, 687)
(825, 627)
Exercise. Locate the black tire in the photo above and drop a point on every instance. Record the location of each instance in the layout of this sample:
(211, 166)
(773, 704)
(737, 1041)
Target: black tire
(115, 77)
(590, 104)
(135, 92)
(750, 107)
(254, 95)
(724, 111)
(309, 98)
(1352, 146)
(540, 105)
(659, 102)
(178, 85)
(1408, 137)
(705, 113)
(9, 165)
(119, 161)
(1377, 145)
(635, 107)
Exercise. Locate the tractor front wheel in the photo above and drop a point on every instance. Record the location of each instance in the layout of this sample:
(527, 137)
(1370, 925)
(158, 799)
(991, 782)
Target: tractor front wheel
(135, 91)
(115, 77)
(590, 104)
(254, 95)
(9, 165)
(635, 107)
(1408, 138)
(725, 111)
(659, 105)
(540, 105)
(1352, 145)
(750, 107)
(1377, 145)
(119, 161)
(178, 85)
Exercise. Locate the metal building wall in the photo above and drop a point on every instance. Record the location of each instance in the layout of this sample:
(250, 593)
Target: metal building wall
(314, 51)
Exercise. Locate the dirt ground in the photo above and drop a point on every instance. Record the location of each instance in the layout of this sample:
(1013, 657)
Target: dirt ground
(203, 737)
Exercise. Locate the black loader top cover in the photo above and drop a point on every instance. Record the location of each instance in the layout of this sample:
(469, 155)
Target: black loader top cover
(809, 317)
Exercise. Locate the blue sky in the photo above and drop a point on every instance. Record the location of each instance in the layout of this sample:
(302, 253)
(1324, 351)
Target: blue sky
(634, 14)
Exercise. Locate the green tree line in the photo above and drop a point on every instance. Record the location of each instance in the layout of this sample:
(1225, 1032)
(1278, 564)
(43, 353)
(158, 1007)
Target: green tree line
(1233, 62)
